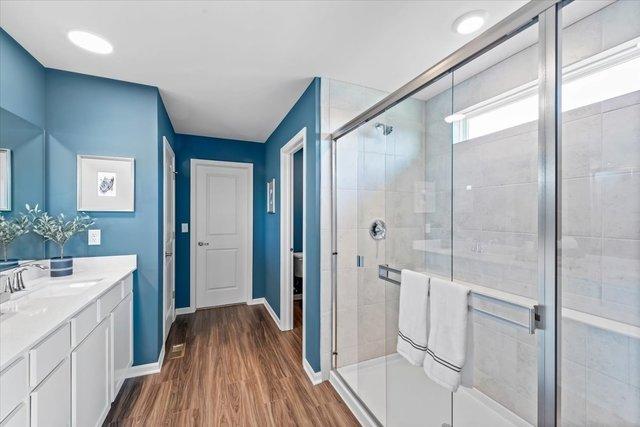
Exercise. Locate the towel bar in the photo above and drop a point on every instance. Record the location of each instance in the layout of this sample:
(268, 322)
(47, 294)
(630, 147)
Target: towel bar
(534, 311)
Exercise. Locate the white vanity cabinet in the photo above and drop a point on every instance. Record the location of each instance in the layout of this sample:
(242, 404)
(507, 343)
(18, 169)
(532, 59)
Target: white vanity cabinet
(90, 378)
(72, 375)
(121, 328)
(51, 400)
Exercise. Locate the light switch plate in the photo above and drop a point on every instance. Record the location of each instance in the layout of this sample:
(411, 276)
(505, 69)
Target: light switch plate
(184, 227)
(94, 237)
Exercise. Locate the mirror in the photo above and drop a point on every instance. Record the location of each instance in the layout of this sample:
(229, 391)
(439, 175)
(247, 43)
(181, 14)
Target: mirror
(22, 169)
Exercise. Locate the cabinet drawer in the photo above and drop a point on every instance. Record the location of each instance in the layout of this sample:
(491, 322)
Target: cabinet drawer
(14, 386)
(51, 401)
(83, 323)
(109, 301)
(127, 285)
(48, 354)
(18, 418)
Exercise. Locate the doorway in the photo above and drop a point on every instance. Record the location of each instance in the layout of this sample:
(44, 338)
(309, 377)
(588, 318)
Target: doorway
(222, 233)
(292, 232)
(169, 162)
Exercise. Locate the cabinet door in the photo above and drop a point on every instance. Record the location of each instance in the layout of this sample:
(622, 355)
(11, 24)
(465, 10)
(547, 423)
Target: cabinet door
(121, 328)
(90, 378)
(51, 400)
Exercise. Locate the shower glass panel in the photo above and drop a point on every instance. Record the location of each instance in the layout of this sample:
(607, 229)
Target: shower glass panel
(495, 227)
(600, 187)
(361, 158)
(417, 211)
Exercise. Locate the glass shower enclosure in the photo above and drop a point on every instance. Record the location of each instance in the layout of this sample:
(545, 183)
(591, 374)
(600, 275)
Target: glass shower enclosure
(512, 167)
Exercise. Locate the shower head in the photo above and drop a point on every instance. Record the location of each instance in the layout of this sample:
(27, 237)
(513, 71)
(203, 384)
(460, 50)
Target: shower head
(386, 129)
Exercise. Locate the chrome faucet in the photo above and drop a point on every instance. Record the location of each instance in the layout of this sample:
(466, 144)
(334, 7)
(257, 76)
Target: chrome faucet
(14, 280)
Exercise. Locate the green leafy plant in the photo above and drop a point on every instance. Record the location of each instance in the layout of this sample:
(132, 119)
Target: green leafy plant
(58, 229)
(11, 229)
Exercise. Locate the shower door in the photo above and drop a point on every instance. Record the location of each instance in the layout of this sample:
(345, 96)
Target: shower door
(361, 337)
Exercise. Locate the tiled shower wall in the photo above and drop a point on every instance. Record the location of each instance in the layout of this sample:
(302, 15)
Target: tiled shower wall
(379, 177)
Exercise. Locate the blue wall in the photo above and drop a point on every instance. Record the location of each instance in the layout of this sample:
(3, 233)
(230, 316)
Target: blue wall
(92, 115)
(199, 147)
(165, 130)
(22, 81)
(298, 158)
(305, 113)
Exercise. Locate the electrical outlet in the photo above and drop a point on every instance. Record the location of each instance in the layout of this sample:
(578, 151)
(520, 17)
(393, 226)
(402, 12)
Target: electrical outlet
(184, 227)
(94, 237)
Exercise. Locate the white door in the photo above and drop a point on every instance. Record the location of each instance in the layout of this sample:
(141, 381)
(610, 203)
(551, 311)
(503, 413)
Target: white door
(222, 206)
(169, 236)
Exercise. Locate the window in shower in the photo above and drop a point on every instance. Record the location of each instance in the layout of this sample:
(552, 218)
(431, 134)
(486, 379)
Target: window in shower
(605, 75)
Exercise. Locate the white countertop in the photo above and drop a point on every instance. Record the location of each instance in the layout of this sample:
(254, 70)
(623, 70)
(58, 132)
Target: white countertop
(26, 320)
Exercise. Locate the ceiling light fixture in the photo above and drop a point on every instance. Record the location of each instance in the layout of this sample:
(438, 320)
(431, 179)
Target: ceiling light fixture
(470, 22)
(90, 42)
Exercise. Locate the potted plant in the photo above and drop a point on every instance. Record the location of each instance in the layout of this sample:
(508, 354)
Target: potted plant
(11, 229)
(58, 230)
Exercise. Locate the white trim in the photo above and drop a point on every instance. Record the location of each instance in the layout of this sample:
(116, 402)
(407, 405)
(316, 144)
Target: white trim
(148, 368)
(298, 142)
(248, 167)
(273, 314)
(185, 310)
(256, 301)
(167, 148)
(356, 408)
(314, 377)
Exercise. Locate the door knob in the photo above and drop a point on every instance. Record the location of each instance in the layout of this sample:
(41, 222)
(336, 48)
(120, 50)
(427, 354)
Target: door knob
(203, 243)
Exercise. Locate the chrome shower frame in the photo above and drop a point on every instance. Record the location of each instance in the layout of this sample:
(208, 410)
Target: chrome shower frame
(547, 14)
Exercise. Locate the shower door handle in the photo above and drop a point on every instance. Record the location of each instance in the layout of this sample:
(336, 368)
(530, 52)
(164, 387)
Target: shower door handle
(359, 261)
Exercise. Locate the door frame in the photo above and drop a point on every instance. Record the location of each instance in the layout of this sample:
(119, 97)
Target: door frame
(167, 147)
(298, 142)
(248, 169)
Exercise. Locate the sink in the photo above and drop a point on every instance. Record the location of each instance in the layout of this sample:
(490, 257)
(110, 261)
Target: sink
(66, 288)
(48, 288)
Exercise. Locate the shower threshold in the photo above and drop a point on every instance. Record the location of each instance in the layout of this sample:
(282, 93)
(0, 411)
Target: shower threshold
(400, 394)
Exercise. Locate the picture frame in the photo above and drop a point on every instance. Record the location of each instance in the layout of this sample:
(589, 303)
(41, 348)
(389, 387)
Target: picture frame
(271, 196)
(105, 184)
(5, 179)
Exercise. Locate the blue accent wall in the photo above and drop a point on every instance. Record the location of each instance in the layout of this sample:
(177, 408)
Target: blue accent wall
(305, 113)
(199, 147)
(22, 81)
(93, 115)
(165, 130)
(298, 158)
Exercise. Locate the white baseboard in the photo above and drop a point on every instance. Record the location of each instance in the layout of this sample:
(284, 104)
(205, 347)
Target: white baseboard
(273, 314)
(264, 302)
(185, 310)
(314, 377)
(147, 369)
(358, 411)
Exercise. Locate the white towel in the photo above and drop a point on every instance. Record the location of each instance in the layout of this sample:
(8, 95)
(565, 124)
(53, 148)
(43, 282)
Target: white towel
(412, 319)
(447, 344)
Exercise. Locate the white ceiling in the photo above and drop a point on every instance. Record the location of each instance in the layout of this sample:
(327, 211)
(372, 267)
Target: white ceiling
(234, 69)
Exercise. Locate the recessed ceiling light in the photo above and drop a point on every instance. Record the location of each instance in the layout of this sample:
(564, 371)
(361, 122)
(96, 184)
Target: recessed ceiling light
(470, 22)
(90, 42)
(455, 117)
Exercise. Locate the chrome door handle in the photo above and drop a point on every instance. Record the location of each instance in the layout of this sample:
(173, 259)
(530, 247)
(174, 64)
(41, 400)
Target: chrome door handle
(203, 243)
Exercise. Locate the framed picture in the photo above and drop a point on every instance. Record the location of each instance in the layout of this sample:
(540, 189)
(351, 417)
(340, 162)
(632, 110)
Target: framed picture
(271, 196)
(106, 183)
(5, 179)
